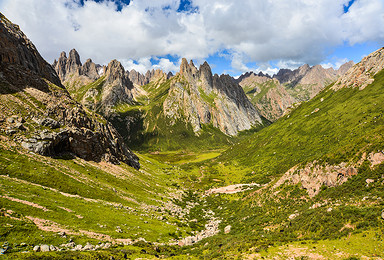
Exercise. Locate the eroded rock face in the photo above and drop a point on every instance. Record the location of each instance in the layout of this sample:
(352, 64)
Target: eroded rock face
(198, 97)
(362, 74)
(59, 124)
(313, 176)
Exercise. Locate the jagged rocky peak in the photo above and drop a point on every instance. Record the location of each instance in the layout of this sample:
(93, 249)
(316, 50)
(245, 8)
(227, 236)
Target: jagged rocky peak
(115, 71)
(198, 97)
(62, 126)
(292, 76)
(90, 69)
(362, 74)
(345, 67)
(151, 75)
(73, 62)
(16, 49)
(73, 73)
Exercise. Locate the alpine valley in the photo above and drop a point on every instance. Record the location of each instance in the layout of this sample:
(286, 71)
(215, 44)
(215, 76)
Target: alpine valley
(97, 162)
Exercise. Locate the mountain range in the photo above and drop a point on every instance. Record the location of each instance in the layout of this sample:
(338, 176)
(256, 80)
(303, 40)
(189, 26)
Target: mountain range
(97, 162)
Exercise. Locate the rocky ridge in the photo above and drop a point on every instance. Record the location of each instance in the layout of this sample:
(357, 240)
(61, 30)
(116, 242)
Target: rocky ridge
(274, 95)
(198, 97)
(41, 116)
(362, 74)
(151, 75)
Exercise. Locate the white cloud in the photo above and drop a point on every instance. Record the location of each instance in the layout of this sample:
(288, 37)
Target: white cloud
(336, 64)
(292, 32)
(142, 65)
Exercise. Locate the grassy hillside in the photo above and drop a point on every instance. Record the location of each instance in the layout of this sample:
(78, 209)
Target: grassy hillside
(333, 127)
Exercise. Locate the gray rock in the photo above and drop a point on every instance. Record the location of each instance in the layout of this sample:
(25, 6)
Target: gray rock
(38, 147)
(88, 246)
(382, 214)
(49, 122)
(23, 244)
(44, 248)
(15, 119)
(20, 126)
(52, 248)
(78, 247)
(46, 135)
(2, 251)
(36, 248)
(10, 131)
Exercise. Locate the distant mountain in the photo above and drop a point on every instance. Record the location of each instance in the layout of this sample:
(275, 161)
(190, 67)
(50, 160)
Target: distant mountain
(151, 75)
(38, 114)
(274, 95)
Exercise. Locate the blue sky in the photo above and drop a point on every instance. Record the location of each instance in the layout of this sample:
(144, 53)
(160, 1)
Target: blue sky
(234, 36)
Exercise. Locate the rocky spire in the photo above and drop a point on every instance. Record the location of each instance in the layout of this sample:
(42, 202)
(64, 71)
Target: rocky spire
(73, 63)
(89, 69)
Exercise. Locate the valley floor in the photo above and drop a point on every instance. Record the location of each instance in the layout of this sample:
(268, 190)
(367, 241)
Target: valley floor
(178, 205)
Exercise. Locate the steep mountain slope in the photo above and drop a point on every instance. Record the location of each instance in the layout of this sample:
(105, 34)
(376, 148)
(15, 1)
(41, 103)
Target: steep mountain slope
(41, 116)
(273, 96)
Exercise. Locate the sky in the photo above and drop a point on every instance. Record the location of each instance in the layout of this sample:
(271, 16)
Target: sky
(234, 36)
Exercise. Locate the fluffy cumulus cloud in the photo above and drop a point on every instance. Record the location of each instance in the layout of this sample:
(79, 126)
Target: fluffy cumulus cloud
(251, 31)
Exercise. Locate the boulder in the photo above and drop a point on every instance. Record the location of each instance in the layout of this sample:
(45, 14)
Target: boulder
(88, 246)
(36, 248)
(227, 229)
(44, 248)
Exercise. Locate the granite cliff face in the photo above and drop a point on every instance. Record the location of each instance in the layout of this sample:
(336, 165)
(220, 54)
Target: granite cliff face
(198, 97)
(38, 113)
(272, 96)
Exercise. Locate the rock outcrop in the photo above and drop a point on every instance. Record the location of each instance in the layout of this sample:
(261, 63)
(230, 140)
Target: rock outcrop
(313, 176)
(46, 120)
(362, 74)
(198, 97)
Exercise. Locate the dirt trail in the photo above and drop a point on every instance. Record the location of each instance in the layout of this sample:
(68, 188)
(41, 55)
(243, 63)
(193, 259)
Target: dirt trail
(231, 189)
